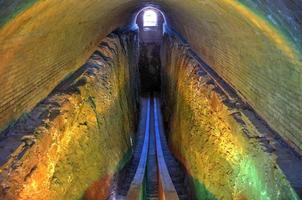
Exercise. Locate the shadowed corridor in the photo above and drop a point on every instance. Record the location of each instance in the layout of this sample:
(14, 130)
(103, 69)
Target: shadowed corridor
(150, 100)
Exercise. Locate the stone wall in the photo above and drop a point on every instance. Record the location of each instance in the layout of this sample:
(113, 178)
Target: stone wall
(209, 134)
(44, 43)
(288, 18)
(80, 134)
(247, 50)
(255, 45)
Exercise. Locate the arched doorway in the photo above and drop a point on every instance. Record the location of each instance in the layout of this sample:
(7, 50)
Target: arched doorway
(150, 22)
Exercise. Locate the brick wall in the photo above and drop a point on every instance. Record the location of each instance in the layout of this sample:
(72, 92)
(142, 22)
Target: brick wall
(226, 155)
(44, 44)
(251, 55)
(256, 53)
(81, 134)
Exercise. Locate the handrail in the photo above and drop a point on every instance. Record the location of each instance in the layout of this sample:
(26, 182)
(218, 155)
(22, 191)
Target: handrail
(167, 189)
(134, 192)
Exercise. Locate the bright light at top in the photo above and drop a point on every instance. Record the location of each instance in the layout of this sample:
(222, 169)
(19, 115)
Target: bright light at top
(150, 18)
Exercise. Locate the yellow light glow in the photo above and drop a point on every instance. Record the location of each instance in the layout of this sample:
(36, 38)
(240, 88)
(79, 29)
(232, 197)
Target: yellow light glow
(266, 28)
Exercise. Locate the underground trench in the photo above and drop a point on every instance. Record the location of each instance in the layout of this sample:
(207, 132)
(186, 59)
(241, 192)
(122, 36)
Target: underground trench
(145, 118)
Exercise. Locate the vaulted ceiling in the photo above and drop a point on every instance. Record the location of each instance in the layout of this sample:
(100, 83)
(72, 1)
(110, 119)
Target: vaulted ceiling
(253, 45)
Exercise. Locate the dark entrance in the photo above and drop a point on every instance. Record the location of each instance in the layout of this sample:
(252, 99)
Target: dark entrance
(150, 22)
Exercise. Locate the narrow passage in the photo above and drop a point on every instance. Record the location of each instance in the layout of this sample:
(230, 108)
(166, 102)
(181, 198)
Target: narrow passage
(153, 172)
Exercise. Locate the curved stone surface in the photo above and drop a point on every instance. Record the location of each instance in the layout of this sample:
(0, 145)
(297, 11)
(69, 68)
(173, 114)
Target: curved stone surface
(251, 44)
(226, 149)
(80, 135)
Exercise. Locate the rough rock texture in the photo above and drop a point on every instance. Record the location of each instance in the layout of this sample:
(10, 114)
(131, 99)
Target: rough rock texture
(223, 151)
(44, 44)
(80, 134)
(253, 44)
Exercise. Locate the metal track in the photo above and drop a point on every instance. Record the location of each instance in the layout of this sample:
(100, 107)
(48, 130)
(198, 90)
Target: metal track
(166, 187)
(152, 178)
(136, 188)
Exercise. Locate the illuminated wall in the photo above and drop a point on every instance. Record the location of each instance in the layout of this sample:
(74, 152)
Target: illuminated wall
(46, 42)
(259, 61)
(287, 19)
(223, 161)
(81, 134)
(253, 45)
